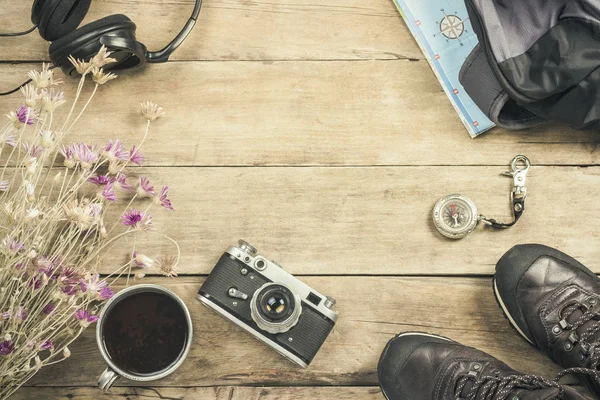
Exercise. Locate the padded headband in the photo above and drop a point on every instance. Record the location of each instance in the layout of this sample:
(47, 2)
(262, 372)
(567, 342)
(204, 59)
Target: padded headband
(56, 18)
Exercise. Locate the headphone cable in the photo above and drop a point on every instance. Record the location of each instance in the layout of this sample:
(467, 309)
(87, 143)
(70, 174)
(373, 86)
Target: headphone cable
(19, 33)
(16, 89)
(21, 85)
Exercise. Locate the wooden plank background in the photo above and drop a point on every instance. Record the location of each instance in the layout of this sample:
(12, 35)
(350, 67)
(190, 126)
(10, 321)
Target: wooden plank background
(317, 131)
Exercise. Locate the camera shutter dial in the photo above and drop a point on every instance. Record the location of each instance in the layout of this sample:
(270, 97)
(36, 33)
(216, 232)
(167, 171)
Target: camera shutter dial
(247, 247)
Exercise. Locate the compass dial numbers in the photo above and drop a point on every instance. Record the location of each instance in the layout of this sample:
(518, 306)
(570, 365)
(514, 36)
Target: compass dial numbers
(455, 216)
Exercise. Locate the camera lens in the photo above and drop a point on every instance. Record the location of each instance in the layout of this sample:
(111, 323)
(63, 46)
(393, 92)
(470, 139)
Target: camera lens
(275, 308)
(276, 304)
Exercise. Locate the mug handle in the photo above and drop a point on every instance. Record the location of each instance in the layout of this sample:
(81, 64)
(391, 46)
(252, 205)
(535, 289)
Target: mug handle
(107, 379)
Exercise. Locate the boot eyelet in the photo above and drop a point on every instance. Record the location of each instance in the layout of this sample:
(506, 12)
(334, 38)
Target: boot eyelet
(564, 324)
(568, 346)
(476, 367)
(556, 330)
(593, 301)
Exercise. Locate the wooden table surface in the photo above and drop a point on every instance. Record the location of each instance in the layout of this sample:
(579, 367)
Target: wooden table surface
(317, 131)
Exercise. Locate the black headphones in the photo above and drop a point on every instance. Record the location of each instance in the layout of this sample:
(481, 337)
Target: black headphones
(58, 20)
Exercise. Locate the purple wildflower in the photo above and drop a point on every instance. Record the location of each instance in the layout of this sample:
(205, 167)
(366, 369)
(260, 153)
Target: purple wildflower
(33, 150)
(6, 315)
(48, 308)
(69, 155)
(108, 193)
(46, 266)
(162, 199)
(6, 347)
(122, 182)
(47, 345)
(101, 180)
(106, 293)
(115, 151)
(21, 314)
(137, 220)
(35, 283)
(69, 290)
(13, 245)
(85, 318)
(26, 115)
(9, 139)
(135, 156)
(69, 276)
(79, 153)
(145, 188)
(95, 287)
(85, 154)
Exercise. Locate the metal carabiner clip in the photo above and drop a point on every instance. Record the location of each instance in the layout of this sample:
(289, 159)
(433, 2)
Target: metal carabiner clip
(519, 168)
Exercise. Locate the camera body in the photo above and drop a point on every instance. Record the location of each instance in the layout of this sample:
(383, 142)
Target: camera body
(271, 304)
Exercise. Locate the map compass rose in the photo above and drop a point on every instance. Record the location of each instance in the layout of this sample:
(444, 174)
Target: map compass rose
(451, 26)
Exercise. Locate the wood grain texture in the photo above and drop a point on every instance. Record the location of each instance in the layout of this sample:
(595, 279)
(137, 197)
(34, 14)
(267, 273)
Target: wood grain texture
(242, 30)
(297, 113)
(213, 393)
(372, 310)
(372, 221)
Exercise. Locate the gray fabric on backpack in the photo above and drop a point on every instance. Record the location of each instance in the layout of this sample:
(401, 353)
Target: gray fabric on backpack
(537, 61)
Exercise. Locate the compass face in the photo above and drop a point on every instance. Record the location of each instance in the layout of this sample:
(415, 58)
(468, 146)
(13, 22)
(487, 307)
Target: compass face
(455, 216)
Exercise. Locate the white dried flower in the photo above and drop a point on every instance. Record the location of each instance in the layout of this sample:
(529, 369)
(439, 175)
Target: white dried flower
(7, 337)
(38, 362)
(81, 66)
(52, 99)
(102, 58)
(44, 78)
(141, 261)
(83, 214)
(151, 111)
(32, 214)
(166, 265)
(66, 352)
(100, 77)
(47, 139)
(9, 139)
(139, 275)
(31, 165)
(32, 254)
(57, 178)
(31, 95)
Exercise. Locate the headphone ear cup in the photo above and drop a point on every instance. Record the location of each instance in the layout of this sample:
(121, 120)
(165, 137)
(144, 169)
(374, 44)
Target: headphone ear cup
(117, 32)
(57, 18)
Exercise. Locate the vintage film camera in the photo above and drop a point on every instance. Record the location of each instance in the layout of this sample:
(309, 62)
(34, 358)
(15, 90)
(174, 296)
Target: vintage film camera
(278, 309)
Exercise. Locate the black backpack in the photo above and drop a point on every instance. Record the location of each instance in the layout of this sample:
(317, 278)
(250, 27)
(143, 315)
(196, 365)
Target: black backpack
(537, 61)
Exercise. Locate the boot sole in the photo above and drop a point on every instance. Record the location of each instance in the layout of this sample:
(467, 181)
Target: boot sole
(410, 334)
(507, 315)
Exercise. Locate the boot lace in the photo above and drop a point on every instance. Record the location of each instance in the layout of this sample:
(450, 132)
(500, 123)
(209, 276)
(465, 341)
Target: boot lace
(589, 345)
(499, 388)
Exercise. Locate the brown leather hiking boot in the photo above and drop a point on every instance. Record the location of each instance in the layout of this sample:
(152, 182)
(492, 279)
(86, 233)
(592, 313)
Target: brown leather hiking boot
(553, 301)
(419, 366)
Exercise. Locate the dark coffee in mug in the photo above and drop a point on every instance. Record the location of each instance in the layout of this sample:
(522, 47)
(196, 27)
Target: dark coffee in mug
(145, 333)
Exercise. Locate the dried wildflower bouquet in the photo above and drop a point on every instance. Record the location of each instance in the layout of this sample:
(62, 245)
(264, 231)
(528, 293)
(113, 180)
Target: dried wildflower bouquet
(55, 233)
